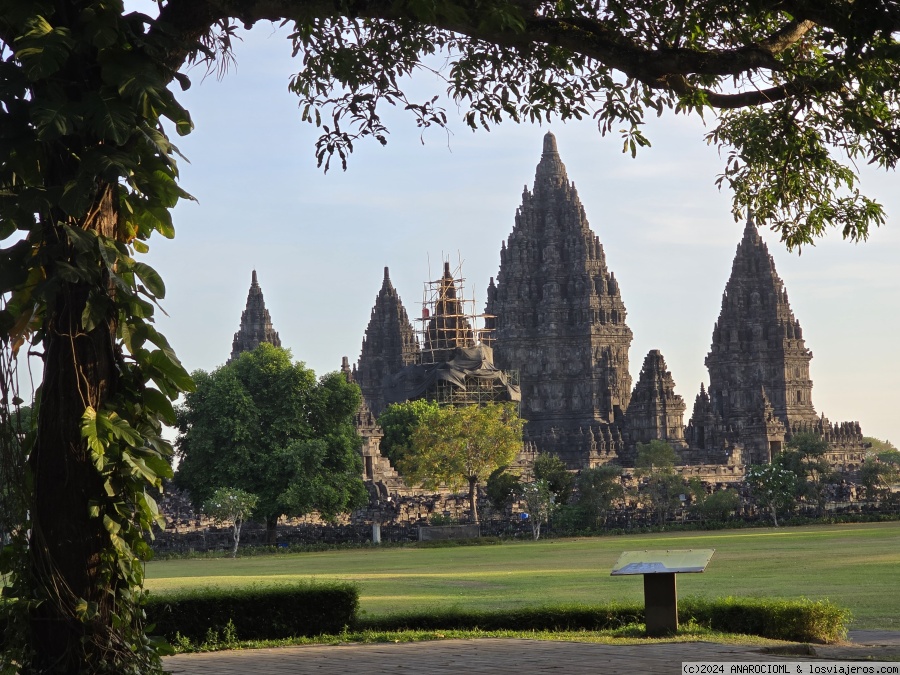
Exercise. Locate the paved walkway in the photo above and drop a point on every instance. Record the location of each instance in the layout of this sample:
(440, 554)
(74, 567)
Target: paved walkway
(521, 657)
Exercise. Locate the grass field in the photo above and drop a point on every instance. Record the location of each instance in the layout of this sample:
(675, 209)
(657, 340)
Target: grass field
(856, 566)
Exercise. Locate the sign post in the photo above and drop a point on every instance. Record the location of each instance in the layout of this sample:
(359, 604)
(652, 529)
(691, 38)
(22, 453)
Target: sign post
(658, 569)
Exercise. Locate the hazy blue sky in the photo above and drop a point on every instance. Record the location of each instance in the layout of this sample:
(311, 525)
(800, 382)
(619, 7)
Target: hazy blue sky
(320, 242)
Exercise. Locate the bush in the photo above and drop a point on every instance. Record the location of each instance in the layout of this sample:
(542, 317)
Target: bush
(553, 617)
(256, 613)
(794, 620)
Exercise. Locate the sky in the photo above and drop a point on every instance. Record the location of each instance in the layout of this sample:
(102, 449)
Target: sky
(319, 242)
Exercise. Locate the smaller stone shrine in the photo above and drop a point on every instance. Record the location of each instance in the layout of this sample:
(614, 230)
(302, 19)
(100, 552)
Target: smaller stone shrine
(256, 324)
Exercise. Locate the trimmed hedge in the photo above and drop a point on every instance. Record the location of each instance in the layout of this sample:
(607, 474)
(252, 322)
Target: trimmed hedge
(256, 612)
(792, 620)
(278, 612)
(553, 618)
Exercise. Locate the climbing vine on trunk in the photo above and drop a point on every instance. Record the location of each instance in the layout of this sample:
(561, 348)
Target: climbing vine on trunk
(88, 175)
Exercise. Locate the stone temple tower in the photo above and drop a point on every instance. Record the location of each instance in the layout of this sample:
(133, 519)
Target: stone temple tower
(256, 324)
(655, 412)
(758, 351)
(388, 345)
(449, 327)
(560, 322)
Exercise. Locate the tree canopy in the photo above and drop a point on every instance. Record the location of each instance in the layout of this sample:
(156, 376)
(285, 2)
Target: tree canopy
(263, 424)
(772, 487)
(552, 470)
(660, 483)
(458, 446)
(398, 421)
(799, 94)
(231, 505)
(598, 488)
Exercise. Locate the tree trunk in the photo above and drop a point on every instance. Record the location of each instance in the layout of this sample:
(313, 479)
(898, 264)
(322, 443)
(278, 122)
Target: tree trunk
(473, 495)
(80, 370)
(272, 531)
(237, 537)
(775, 515)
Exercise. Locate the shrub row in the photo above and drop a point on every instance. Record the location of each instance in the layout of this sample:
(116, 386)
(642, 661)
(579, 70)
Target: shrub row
(793, 620)
(257, 612)
(272, 613)
(551, 618)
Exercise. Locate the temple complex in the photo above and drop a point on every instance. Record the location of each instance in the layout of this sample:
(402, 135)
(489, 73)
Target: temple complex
(256, 324)
(554, 338)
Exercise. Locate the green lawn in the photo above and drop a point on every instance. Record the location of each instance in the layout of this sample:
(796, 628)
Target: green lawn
(856, 566)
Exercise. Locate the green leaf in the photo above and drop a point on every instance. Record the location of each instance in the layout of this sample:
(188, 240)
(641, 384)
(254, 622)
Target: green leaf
(167, 364)
(160, 404)
(122, 430)
(91, 433)
(139, 466)
(51, 121)
(94, 314)
(151, 279)
(109, 117)
(43, 49)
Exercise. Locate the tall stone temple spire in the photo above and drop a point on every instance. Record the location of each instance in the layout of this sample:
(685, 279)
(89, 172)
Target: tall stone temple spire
(758, 351)
(256, 324)
(560, 320)
(388, 346)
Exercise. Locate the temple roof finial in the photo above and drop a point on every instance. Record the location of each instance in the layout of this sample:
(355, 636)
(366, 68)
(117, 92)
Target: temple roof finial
(751, 223)
(551, 173)
(253, 281)
(550, 144)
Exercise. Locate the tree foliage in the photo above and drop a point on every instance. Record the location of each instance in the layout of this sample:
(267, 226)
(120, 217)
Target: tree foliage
(231, 505)
(540, 502)
(877, 476)
(798, 94)
(716, 506)
(398, 421)
(598, 489)
(773, 487)
(458, 446)
(660, 485)
(502, 488)
(552, 469)
(263, 424)
(804, 456)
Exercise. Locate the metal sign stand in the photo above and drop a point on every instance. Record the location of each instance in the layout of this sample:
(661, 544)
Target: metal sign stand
(658, 569)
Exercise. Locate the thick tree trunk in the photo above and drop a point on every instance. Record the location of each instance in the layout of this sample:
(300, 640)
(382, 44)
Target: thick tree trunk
(473, 498)
(66, 543)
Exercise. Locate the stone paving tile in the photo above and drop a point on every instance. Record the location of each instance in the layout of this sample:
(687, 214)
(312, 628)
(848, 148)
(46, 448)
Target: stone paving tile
(519, 657)
(474, 657)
